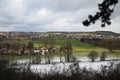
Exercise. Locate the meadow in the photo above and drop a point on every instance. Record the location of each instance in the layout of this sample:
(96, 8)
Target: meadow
(80, 49)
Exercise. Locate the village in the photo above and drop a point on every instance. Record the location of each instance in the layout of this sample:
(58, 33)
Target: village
(76, 35)
(12, 42)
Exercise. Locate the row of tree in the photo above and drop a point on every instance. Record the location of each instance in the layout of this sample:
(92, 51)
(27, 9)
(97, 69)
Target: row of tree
(110, 44)
(94, 55)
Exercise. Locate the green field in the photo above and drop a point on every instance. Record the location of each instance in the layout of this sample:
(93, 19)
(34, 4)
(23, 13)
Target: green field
(76, 44)
(79, 48)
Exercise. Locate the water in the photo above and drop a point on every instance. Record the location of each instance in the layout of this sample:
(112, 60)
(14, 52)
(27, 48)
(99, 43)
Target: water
(59, 67)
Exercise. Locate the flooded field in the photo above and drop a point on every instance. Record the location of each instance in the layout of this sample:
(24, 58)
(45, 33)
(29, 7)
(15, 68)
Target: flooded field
(83, 62)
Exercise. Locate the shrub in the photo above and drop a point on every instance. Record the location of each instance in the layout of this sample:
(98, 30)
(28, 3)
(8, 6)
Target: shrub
(93, 55)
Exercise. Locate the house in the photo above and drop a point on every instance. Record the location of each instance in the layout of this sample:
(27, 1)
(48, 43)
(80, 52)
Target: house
(36, 51)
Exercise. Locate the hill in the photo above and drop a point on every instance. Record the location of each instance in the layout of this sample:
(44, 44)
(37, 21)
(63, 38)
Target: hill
(107, 33)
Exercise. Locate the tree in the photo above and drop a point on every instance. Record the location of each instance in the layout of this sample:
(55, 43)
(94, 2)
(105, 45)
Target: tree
(93, 55)
(23, 49)
(30, 46)
(50, 54)
(106, 8)
(44, 42)
(47, 57)
(103, 56)
(68, 51)
(111, 44)
(61, 52)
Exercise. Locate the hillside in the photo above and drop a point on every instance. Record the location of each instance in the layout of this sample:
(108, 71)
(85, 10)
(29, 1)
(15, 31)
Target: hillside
(106, 33)
(76, 44)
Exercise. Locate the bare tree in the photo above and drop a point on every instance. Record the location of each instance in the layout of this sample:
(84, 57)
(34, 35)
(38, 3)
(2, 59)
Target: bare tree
(68, 51)
(93, 55)
(30, 46)
(103, 56)
(61, 53)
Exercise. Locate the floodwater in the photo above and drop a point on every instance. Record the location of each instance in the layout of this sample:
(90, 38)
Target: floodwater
(59, 67)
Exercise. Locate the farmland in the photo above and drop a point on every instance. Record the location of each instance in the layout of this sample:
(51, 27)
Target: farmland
(82, 43)
(80, 49)
(88, 53)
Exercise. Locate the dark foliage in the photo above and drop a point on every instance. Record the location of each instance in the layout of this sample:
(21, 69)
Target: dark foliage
(110, 44)
(30, 45)
(106, 8)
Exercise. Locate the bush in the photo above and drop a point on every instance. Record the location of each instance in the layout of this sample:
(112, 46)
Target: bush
(93, 55)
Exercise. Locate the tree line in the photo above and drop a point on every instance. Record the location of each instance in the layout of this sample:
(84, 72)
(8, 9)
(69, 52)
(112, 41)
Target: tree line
(110, 44)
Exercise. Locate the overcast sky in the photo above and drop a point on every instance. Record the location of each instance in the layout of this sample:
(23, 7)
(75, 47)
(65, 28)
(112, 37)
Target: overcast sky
(52, 15)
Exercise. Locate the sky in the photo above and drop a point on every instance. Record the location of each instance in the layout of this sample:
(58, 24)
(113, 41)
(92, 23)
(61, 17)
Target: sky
(52, 15)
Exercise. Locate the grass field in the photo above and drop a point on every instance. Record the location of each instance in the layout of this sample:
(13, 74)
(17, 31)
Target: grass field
(79, 48)
(76, 44)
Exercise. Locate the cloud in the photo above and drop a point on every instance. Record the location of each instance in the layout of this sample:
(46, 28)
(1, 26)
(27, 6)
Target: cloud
(51, 15)
(60, 5)
(116, 11)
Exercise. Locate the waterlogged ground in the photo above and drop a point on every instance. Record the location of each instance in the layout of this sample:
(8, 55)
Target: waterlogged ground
(59, 67)
(57, 60)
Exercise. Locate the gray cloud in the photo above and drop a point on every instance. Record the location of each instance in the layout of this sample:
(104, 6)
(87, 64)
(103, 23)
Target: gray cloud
(60, 5)
(116, 11)
(51, 15)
